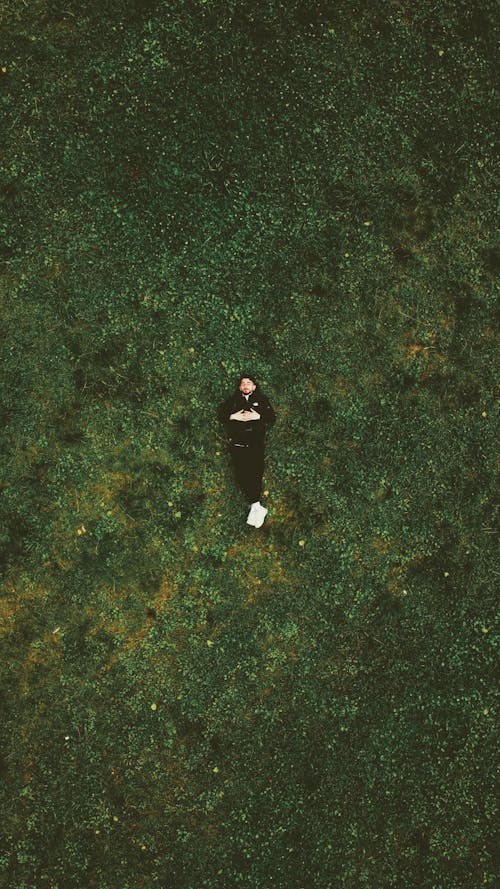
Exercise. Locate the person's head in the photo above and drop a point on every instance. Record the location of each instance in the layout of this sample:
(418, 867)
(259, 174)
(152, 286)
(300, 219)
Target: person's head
(247, 384)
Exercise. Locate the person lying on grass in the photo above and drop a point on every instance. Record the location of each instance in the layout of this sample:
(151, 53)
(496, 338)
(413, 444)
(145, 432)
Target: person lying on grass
(246, 414)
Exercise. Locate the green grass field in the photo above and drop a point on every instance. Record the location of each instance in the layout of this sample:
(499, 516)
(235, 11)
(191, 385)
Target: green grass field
(305, 191)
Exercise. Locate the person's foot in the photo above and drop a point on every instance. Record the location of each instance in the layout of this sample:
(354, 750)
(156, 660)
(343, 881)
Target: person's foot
(252, 515)
(260, 514)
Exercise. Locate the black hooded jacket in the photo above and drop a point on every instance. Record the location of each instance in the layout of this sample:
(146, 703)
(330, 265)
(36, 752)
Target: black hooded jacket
(251, 432)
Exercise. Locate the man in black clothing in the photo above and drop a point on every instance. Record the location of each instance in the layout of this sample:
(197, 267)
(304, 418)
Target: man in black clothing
(246, 414)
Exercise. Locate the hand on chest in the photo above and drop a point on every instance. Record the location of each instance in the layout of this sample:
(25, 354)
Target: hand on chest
(249, 411)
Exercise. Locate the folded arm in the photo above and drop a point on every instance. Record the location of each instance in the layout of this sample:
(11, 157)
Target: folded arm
(245, 415)
(264, 412)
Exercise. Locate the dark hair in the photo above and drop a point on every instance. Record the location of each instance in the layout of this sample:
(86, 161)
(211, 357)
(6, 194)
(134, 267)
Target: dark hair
(246, 377)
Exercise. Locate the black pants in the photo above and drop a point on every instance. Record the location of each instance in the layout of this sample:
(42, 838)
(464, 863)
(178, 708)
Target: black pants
(248, 463)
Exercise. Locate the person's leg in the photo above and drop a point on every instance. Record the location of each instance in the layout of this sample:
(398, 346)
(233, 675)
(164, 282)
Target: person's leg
(240, 461)
(255, 472)
(248, 464)
(257, 512)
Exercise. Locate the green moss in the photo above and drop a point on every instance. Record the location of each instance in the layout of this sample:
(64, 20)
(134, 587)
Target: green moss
(190, 189)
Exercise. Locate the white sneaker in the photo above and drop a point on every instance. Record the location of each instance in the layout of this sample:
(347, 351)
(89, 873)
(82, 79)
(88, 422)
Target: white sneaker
(260, 514)
(252, 515)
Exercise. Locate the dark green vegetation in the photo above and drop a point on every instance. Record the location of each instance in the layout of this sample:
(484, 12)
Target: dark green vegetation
(304, 190)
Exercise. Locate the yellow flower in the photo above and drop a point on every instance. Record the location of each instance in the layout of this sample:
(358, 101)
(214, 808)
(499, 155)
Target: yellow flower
(4, 69)
(209, 642)
(441, 52)
(484, 414)
(302, 543)
(215, 770)
(485, 630)
(154, 706)
(446, 573)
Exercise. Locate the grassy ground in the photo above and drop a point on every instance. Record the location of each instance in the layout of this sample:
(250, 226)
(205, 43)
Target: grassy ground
(305, 191)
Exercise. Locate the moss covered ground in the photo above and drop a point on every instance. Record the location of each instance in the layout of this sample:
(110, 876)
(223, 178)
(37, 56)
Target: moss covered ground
(305, 190)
